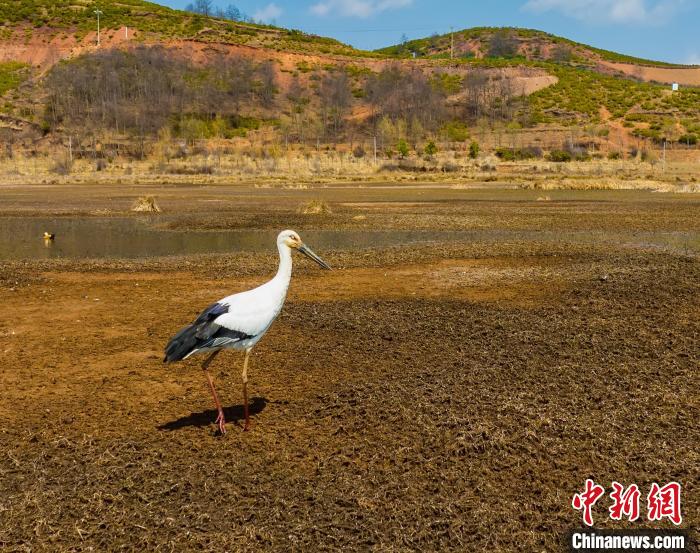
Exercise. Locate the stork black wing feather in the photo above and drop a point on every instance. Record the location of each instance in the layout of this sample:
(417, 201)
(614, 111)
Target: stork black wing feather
(195, 335)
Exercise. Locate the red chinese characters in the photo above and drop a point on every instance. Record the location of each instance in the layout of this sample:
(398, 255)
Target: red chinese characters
(662, 502)
(585, 500)
(665, 502)
(625, 502)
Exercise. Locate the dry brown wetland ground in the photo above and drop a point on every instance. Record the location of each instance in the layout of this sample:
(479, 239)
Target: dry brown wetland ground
(476, 354)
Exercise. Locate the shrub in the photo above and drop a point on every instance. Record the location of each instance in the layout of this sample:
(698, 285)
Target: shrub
(402, 148)
(456, 131)
(203, 169)
(359, 151)
(12, 74)
(559, 156)
(578, 153)
(474, 150)
(505, 154)
(689, 139)
(431, 149)
(614, 156)
(518, 154)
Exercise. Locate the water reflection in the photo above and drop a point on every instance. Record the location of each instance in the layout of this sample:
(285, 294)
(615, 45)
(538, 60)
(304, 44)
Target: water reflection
(22, 238)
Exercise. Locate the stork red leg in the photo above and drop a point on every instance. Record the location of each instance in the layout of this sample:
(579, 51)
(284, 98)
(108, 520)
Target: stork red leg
(220, 420)
(246, 427)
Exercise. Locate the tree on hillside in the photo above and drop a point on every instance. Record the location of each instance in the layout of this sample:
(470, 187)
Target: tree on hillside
(335, 100)
(490, 93)
(433, 41)
(297, 96)
(503, 45)
(405, 94)
(562, 53)
(233, 13)
(476, 98)
(268, 84)
(140, 92)
(202, 7)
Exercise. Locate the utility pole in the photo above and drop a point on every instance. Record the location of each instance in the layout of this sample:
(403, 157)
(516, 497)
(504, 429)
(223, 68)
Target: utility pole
(452, 43)
(98, 12)
(664, 155)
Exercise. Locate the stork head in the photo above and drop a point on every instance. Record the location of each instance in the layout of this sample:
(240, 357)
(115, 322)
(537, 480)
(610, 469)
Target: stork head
(293, 241)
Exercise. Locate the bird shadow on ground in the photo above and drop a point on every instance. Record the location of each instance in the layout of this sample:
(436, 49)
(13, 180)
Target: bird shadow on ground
(233, 414)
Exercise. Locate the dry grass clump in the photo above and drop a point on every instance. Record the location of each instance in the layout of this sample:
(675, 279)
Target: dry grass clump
(146, 204)
(544, 199)
(688, 188)
(594, 183)
(315, 207)
(201, 169)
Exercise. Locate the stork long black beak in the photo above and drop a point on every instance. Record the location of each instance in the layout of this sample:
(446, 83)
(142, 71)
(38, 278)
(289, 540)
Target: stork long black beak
(311, 255)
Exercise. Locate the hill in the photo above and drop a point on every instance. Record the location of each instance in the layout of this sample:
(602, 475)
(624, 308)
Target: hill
(534, 45)
(73, 22)
(162, 78)
(531, 44)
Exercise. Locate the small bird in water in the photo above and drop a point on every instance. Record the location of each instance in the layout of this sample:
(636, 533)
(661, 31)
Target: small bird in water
(239, 321)
(49, 236)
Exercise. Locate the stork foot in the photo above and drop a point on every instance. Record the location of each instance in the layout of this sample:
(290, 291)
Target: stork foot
(221, 421)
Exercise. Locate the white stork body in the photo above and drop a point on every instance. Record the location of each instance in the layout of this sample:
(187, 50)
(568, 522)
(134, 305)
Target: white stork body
(239, 321)
(253, 312)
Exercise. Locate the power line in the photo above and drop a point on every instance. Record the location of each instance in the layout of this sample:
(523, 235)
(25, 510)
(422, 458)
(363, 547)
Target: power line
(397, 30)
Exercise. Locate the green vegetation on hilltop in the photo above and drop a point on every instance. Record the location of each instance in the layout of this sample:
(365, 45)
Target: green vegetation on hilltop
(582, 92)
(78, 17)
(650, 109)
(438, 46)
(79, 14)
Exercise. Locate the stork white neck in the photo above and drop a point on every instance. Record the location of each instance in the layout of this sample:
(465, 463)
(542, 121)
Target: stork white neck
(284, 272)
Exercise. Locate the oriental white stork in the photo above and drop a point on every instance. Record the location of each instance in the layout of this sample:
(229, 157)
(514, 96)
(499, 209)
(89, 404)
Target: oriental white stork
(239, 321)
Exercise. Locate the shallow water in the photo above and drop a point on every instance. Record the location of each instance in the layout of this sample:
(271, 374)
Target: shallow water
(87, 237)
(22, 238)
